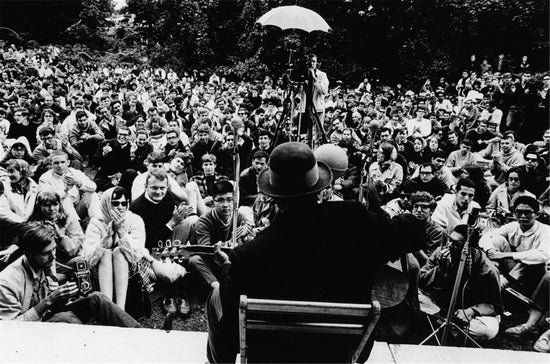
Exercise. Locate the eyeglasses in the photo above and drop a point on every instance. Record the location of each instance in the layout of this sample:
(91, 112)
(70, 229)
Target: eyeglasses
(119, 203)
(417, 206)
(223, 200)
(525, 213)
(425, 173)
(532, 160)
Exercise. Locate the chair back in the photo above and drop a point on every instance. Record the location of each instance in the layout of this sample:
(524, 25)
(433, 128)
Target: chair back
(307, 317)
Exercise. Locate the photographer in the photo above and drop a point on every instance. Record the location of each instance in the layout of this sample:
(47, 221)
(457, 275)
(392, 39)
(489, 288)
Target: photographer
(314, 96)
(29, 290)
(480, 303)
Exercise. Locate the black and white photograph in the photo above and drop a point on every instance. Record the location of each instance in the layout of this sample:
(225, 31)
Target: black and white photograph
(274, 181)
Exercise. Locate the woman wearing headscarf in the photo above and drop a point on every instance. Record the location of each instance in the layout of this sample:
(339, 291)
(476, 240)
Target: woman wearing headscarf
(114, 244)
(49, 211)
(17, 149)
(17, 201)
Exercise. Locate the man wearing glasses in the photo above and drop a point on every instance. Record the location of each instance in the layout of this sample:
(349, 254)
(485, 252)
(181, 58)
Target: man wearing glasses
(115, 160)
(217, 226)
(423, 205)
(522, 250)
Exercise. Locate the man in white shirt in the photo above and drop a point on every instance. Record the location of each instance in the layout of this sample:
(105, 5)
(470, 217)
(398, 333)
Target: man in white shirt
(522, 250)
(419, 125)
(76, 190)
(453, 209)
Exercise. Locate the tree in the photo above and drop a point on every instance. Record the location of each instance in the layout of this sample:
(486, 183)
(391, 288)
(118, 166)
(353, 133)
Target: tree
(92, 25)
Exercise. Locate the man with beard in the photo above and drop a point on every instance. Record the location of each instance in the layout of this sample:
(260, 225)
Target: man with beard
(481, 303)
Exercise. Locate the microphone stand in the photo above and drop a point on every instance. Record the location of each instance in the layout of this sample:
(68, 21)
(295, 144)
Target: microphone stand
(365, 163)
(448, 323)
(236, 194)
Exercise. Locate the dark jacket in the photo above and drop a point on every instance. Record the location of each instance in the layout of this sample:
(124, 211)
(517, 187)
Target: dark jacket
(320, 252)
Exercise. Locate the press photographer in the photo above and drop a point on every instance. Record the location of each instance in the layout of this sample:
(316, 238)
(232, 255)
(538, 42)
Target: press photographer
(29, 290)
(479, 303)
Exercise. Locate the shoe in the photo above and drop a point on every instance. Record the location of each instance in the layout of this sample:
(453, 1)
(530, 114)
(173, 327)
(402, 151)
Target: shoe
(520, 330)
(168, 305)
(543, 343)
(183, 307)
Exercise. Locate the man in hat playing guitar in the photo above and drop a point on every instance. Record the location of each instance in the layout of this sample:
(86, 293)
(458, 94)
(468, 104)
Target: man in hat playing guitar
(317, 252)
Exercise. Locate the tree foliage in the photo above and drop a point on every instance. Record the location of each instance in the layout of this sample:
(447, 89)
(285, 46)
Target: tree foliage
(389, 39)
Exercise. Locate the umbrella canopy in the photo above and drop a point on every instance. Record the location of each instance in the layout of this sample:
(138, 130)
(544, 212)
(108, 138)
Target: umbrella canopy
(294, 17)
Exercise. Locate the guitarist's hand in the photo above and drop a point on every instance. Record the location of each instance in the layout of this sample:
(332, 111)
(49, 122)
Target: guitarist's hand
(220, 256)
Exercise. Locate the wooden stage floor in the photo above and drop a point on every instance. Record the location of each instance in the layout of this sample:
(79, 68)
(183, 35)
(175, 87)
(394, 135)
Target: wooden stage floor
(40, 342)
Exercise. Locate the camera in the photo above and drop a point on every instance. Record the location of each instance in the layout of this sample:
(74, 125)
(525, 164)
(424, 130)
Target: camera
(83, 277)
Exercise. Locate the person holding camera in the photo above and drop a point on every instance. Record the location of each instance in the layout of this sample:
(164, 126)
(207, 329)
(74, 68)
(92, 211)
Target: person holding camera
(480, 303)
(29, 290)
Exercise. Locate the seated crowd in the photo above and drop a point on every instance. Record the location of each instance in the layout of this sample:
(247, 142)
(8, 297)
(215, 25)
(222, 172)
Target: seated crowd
(101, 164)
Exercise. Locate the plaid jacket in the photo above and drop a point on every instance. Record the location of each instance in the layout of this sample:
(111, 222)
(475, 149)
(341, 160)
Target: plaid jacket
(205, 186)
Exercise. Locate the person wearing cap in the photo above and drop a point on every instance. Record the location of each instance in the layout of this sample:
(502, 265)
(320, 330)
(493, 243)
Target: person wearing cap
(337, 159)
(206, 180)
(318, 252)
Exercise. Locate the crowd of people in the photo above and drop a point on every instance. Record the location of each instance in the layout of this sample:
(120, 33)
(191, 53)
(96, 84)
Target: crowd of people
(106, 161)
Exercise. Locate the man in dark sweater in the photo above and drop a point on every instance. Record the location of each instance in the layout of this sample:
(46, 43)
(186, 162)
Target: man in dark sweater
(248, 187)
(327, 252)
(217, 226)
(427, 181)
(115, 160)
(158, 210)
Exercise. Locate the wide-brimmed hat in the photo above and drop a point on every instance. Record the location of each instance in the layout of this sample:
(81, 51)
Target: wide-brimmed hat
(293, 171)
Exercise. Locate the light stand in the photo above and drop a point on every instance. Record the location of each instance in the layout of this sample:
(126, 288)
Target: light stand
(448, 323)
(366, 161)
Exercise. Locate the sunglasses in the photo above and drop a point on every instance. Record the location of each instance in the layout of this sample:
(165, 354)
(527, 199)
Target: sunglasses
(119, 203)
(526, 213)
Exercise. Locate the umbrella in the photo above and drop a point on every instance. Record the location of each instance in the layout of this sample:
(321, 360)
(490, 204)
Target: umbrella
(294, 17)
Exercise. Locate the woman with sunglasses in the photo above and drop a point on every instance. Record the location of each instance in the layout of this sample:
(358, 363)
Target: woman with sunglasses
(49, 210)
(114, 244)
(503, 196)
(114, 247)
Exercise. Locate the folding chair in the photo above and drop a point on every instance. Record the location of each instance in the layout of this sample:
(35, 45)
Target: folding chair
(307, 317)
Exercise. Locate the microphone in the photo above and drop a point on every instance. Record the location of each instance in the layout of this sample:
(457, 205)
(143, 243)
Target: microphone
(237, 125)
(473, 215)
(374, 126)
